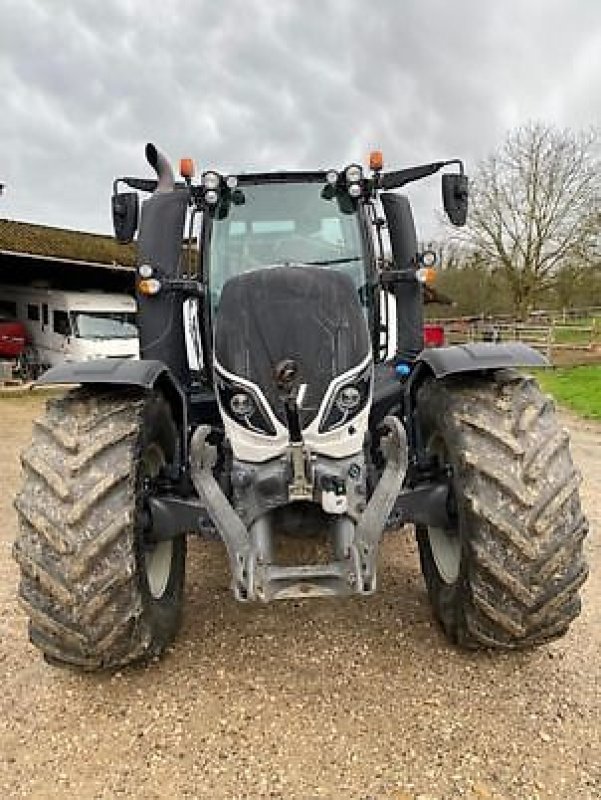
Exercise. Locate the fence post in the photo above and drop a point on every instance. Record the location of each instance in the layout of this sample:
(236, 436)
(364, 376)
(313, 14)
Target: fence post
(550, 340)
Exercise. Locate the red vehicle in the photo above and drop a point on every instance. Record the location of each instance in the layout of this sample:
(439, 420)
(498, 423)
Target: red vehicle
(433, 335)
(13, 338)
(13, 350)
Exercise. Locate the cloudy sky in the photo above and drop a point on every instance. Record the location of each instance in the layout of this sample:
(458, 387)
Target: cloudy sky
(245, 84)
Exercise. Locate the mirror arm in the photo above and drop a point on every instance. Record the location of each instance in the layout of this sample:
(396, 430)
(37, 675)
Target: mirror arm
(457, 161)
(394, 180)
(141, 184)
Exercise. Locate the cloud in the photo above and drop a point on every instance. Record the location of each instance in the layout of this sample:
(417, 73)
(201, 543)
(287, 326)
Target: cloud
(257, 84)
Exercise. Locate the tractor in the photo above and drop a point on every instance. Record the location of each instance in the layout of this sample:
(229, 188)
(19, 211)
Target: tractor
(284, 392)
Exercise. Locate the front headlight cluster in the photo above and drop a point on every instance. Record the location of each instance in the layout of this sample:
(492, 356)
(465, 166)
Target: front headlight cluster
(243, 406)
(354, 176)
(213, 183)
(148, 284)
(349, 180)
(347, 402)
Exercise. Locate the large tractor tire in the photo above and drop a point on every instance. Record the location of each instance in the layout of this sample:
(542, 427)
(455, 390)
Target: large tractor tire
(507, 573)
(96, 593)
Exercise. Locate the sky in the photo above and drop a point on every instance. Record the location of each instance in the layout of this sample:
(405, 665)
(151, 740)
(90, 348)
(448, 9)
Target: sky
(264, 84)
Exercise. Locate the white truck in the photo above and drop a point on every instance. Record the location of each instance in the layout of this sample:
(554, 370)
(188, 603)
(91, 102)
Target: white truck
(72, 326)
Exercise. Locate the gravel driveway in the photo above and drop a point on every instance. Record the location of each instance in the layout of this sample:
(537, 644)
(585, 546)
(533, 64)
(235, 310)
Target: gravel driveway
(345, 699)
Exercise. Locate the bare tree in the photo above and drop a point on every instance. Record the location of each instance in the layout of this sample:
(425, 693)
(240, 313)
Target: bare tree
(534, 208)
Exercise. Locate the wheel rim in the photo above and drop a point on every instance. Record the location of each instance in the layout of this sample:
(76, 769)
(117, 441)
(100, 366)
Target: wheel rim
(158, 555)
(445, 543)
(446, 552)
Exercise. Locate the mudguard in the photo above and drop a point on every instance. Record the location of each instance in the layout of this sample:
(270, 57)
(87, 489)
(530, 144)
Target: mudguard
(119, 371)
(479, 356)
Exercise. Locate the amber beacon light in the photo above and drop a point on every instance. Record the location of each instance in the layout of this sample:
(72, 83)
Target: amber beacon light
(376, 160)
(187, 167)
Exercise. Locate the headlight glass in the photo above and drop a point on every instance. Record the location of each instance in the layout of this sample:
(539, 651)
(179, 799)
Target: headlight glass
(353, 174)
(348, 398)
(354, 189)
(211, 180)
(348, 401)
(211, 197)
(242, 405)
(149, 286)
(332, 177)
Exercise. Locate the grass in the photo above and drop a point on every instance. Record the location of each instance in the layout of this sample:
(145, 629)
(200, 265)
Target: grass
(578, 388)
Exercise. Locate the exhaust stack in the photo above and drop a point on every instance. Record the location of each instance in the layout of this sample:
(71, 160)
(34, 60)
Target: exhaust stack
(162, 167)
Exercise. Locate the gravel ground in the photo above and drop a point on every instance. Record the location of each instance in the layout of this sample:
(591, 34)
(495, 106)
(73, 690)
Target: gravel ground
(345, 699)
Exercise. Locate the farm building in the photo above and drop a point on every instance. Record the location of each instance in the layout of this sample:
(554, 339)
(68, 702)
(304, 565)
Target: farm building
(64, 259)
(64, 295)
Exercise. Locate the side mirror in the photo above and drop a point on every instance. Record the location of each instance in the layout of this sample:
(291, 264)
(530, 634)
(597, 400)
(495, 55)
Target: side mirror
(125, 209)
(454, 197)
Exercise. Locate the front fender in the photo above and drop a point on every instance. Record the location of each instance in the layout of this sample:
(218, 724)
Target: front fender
(116, 371)
(479, 356)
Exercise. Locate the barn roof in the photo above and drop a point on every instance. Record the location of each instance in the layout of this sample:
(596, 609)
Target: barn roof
(25, 238)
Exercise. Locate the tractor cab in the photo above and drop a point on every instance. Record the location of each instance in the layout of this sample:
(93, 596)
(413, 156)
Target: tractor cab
(281, 220)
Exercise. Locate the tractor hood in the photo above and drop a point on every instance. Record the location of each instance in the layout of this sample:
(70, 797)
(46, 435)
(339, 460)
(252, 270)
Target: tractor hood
(307, 315)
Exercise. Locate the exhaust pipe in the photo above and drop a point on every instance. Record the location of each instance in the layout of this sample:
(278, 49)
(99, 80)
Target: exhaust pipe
(162, 167)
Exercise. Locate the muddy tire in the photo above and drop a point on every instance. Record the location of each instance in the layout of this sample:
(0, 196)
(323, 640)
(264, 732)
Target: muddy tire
(508, 573)
(95, 593)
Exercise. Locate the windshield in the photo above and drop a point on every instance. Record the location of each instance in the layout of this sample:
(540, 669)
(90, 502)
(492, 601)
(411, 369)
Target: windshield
(285, 223)
(104, 324)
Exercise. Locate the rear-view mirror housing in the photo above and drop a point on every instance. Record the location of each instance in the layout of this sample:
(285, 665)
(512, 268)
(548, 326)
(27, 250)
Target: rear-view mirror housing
(455, 197)
(125, 208)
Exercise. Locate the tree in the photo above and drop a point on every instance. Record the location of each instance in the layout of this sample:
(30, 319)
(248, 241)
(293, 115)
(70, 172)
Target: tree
(534, 208)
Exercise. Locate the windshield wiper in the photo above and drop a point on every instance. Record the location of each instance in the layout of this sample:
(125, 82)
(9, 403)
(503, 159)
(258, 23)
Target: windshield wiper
(327, 261)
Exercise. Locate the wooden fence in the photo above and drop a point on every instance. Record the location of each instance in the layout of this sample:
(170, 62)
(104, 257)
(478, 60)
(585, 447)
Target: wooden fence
(550, 335)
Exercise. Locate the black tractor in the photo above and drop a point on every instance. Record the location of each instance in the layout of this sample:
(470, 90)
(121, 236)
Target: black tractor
(284, 391)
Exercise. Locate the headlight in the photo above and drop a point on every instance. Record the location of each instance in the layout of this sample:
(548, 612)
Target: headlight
(211, 197)
(149, 286)
(348, 398)
(211, 180)
(347, 402)
(354, 190)
(242, 404)
(353, 174)
(231, 181)
(332, 177)
(145, 271)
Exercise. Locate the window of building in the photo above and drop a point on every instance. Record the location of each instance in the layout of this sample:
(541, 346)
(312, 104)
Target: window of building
(8, 308)
(60, 323)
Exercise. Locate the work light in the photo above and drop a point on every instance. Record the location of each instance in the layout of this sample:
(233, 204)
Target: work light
(353, 174)
(211, 180)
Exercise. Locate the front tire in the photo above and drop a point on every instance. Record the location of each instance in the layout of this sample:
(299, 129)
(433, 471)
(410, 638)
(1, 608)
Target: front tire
(96, 593)
(507, 573)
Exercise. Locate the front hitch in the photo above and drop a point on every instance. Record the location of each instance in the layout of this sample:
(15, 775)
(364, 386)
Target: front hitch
(255, 577)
